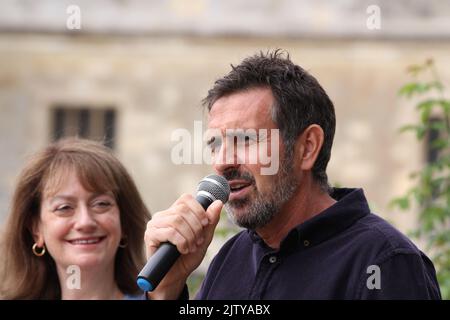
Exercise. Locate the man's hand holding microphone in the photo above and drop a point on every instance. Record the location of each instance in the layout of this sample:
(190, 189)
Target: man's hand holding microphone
(176, 239)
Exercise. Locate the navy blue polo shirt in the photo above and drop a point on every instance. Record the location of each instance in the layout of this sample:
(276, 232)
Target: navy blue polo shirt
(345, 252)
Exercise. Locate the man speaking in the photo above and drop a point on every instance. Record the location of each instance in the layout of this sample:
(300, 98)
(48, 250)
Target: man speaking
(302, 239)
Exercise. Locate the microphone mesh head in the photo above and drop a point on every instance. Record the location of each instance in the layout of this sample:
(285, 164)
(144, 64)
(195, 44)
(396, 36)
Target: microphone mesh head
(216, 185)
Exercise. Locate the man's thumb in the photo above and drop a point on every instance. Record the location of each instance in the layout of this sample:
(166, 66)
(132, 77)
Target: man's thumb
(213, 212)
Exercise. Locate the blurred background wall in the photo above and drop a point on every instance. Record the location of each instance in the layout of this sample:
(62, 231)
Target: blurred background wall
(137, 70)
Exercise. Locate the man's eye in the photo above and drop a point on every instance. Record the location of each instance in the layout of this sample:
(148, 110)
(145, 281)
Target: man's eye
(251, 138)
(214, 144)
(248, 139)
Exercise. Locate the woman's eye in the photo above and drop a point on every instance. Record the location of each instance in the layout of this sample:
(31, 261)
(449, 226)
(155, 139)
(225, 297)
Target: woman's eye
(63, 208)
(102, 204)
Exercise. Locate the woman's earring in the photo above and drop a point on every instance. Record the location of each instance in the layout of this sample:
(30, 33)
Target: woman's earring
(40, 252)
(123, 243)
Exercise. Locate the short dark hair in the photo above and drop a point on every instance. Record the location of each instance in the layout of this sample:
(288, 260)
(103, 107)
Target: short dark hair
(299, 100)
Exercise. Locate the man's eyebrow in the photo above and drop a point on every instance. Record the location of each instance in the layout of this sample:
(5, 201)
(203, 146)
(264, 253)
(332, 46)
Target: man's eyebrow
(242, 132)
(234, 133)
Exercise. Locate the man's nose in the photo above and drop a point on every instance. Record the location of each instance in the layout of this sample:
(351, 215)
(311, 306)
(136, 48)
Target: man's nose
(225, 157)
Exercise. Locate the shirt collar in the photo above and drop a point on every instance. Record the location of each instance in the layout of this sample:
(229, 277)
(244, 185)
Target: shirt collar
(351, 205)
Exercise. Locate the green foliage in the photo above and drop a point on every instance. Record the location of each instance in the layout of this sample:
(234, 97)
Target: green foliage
(226, 229)
(431, 192)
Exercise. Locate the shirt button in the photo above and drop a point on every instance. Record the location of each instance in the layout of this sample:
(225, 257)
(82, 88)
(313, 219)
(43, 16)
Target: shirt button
(273, 259)
(306, 243)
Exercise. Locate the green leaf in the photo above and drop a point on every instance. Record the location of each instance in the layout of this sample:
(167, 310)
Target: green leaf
(402, 203)
(434, 85)
(408, 127)
(427, 104)
(437, 125)
(445, 104)
(409, 89)
(442, 238)
(420, 130)
(431, 189)
(414, 70)
(412, 88)
(425, 115)
(440, 144)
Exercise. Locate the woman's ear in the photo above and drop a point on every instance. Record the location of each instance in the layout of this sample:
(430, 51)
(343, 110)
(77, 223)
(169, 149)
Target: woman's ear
(309, 145)
(37, 233)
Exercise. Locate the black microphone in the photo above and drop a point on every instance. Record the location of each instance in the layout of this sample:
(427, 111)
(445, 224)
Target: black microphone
(211, 188)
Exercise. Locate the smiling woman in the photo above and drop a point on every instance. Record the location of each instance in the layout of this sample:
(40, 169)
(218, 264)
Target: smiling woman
(75, 208)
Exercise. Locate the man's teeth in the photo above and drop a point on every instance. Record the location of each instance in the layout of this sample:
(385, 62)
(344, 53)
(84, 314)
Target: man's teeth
(88, 241)
(239, 186)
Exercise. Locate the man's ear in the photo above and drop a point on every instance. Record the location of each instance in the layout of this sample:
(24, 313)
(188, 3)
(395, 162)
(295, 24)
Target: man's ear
(308, 146)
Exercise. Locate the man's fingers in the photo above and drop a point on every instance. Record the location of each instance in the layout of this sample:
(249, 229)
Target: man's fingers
(184, 224)
(195, 207)
(180, 225)
(160, 235)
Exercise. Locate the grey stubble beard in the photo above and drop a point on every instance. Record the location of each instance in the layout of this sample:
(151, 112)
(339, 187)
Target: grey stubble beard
(265, 206)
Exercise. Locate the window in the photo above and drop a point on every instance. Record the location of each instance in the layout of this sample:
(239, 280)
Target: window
(87, 123)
